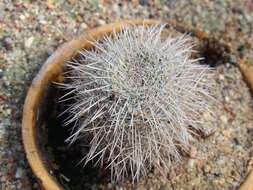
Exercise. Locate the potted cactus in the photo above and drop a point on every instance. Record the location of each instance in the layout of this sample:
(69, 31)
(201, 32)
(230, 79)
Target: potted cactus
(132, 96)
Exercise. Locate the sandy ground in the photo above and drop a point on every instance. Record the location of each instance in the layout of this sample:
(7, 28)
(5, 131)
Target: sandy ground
(31, 30)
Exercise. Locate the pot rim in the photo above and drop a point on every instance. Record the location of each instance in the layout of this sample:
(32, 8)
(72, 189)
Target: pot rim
(49, 72)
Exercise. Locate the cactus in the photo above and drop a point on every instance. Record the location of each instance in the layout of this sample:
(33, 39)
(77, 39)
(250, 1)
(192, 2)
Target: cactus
(139, 97)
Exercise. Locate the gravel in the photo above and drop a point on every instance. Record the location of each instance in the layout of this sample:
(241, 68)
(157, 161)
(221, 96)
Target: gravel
(31, 30)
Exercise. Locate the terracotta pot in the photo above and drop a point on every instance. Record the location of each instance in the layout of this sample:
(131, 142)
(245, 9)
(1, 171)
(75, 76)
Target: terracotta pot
(52, 69)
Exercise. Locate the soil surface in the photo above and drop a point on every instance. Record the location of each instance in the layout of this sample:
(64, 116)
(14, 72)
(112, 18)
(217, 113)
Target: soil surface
(31, 30)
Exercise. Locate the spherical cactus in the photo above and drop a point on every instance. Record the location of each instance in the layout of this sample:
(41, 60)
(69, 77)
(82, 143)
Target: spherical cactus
(139, 97)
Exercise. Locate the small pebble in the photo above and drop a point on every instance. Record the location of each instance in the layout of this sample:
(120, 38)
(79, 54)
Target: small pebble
(190, 165)
(193, 152)
(19, 173)
(224, 119)
(227, 99)
(7, 43)
(163, 187)
(83, 25)
(101, 22)
(22, 17)
(143, 2)
(207, 168)
(29, 42)
(221, 77)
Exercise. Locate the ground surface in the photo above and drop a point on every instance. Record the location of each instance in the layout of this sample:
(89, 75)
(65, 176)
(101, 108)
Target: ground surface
(31, 30)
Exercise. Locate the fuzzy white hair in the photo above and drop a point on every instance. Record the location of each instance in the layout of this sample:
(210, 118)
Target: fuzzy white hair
(139, 96)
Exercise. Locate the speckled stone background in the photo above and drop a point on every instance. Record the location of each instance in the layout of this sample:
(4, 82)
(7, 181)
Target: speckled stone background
(31, 30)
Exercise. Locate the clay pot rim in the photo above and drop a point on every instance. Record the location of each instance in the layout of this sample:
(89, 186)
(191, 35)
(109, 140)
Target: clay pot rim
(49, 72)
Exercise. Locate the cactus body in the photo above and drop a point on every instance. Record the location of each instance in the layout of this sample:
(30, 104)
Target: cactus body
(139, 97)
